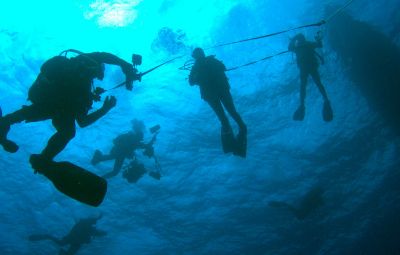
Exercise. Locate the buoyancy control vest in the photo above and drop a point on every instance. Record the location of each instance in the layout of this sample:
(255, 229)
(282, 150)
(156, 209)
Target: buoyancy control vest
(64, 82)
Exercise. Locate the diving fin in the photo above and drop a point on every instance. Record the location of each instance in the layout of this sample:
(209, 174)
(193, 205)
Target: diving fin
(72, 180)
(299, 113)
(327, 112)
(8, 145)
(228, 140)
(241, 144)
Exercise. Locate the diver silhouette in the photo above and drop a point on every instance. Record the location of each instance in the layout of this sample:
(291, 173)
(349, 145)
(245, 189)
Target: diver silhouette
(65, 96)
(311, 201)
(63, 93)
(124, 147)
(81, 233)
(209, 74)
(308, 65)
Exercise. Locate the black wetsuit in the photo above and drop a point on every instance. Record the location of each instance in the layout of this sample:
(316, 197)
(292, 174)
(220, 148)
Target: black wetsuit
(124, 147)
(209, 74)
(64, 98)
(308, 65)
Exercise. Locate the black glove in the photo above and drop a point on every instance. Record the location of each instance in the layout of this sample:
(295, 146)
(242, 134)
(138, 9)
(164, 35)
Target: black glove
(131, 76)
(109, 103)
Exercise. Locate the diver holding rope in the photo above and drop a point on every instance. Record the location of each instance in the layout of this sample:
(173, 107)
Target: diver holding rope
(307, 61)
(209, 74)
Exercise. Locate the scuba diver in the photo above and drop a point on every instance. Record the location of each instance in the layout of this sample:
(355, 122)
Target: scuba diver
(124, 148)
(209, 74)
(81, 233)
(308, 64)
(311, 201)
(63, 93)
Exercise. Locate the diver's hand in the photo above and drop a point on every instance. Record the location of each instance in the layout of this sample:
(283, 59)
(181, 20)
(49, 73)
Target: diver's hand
(109, 103)
(131, 75)
(129, 83)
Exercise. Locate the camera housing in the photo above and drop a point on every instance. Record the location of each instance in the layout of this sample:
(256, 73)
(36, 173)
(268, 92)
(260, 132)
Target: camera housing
(136, 59)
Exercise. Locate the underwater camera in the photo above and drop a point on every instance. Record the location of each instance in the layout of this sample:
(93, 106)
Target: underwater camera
(149, 149)
(136, 59)
(134, 171)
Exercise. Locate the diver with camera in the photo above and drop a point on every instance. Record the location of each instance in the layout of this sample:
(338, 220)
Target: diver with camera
(124, 147)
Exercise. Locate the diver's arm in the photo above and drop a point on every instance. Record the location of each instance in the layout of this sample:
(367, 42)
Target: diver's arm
(221, 65)
(108, 58)
(127, 68)
(119, 161)
(193, 80)
(86, 120)
(292, 44)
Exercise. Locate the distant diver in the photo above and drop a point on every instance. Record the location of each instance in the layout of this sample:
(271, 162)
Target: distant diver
(124, 147)
(81, 233)
(63, 93)
(308, 65)
(311, 201)
(209, 74)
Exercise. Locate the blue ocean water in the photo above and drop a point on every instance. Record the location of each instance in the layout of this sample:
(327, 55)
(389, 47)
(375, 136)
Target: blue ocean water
(208, 202)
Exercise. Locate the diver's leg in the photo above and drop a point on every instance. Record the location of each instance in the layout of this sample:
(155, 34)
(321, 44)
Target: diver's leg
(65, 126)
(119, 161)
(230, 107)
(219, 111)
(300, 112)
(227, 137)
(317, 79)
(28, 113)
(327, 112)
(303, 85)
(98, 157)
